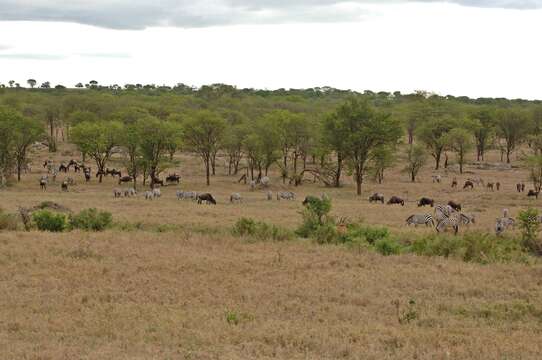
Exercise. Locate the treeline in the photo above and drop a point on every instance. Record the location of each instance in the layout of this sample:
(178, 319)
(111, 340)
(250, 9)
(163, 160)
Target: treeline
(325, 132)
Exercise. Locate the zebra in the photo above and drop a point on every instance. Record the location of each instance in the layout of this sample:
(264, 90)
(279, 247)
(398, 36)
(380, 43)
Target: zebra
(420, 219)
(286, 195)
(149, 195)
(467, 219)
(117, 193)
(181, 195)
(156, 193)
(43, 182)
(130, 192)
(235, 197)
(449, 222)
(436, 178)
(502, 224)
(264, 181)
(252, 185)
(443, 211)
(269, 195)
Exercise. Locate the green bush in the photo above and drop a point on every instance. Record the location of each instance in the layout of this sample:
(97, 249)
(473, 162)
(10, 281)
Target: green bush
(387, 246)
(91, 220)
(371, 234)
(48, 221)
(326, 234)
(529, 225)
(258, 230)
(8, 221)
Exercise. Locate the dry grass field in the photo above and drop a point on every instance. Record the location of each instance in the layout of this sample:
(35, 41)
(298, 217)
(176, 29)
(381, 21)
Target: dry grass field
(204, 294)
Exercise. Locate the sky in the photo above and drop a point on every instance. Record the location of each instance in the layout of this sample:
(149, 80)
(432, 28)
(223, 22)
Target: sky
(477, 48)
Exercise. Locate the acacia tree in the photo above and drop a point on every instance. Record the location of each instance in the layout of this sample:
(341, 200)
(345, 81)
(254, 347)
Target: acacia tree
(433, 134)
(203, 133)
(534, 164)
(334, 134)
(366, 130)
(484, 128)
(27, 131)
(416, 159)
(8, 118)
(512, 127)
(460, 141)
(382, 158)
(31, 82)
(97, 140)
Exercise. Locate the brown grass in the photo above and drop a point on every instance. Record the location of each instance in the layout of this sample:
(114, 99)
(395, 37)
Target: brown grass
(187, 295)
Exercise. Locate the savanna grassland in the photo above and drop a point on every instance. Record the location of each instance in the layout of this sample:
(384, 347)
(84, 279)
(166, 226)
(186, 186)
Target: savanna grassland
(171, 279)
(194, 291)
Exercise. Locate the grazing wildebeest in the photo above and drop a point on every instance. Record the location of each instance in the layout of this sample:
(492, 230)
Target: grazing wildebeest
(64, 186)
(207, 198)
(436, 178)
(113, 172)
(125, 179)
(395, 200)
(454, 183)
(468, 184)
(426, 201)
(269, 195)
(43, 183)
(235, 197)
(498, 186)
(454, 205)
(518, 187)
(489, 186)
(173, 178)
(117, 193)
(532, 193)
(376, 197)
(420, 219)
(63, 168)
(286, 195)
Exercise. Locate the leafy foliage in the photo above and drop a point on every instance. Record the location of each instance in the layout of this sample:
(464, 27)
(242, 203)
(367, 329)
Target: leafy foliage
(48, 221)
(91, 220)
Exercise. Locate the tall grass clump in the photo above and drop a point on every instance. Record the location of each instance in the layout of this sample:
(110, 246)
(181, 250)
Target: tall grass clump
(91, 220)
(250, 228)
(8, 221)
(48, 221)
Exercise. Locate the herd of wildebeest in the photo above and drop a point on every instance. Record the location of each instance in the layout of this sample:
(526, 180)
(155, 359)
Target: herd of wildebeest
(443, 217)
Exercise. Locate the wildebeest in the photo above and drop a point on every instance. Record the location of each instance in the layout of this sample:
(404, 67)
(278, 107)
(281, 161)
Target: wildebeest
(518, 187)
(420, 219)
(454, 183)
(64, 186)
(498, 186)
(489, 186)
(376, 197)
(117, 193)
(286, 195)
(87, 174)
(63, 168)
(173, 178)
(113, 172)
(468, 184)
(532, 193)
(43, 183)
(426, 201)
(454, 205)
(207, 198)
(396, 200)
(157, 181)
(235, 197)
(125, 179)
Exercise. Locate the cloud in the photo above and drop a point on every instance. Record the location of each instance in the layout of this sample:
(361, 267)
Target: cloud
(30, 56)
(106, 55)
(4, 47)
(139, 14)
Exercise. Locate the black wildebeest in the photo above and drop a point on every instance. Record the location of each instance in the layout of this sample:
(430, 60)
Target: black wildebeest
(113, 172)
(376, 197)
(426, 201)
(454, 183)
(43, 183)
(468, 184)
(520, 187)
(396, 200)
(454, 205)
(173, 178)
(64, 186)
(498, 186)
(532, 193)
(157, 181)
(63, 168)
(125, 179)
(208, 198)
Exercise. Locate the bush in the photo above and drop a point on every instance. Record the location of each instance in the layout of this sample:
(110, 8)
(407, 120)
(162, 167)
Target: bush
(261, 231)
(91, 220)
(387, 246)
(48, 221)
(8, 221)
(371, 234)
(326, 234)
(529, 225)
(316, 221)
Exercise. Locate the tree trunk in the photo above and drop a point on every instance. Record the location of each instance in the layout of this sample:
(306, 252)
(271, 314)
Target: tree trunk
(208, 172)
(339, 170)
(285, 171)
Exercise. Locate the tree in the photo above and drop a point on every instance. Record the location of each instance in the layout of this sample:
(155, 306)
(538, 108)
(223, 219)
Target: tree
(415, 113)
(433, 134)
(27, 132)
(8, 117)
(97, 140)
(11, 82)
(534, 165)
(382, 158)
(31, 82)
(416, 159)
(334, 134)
(484, 128)
(366, 130)
(130, 140)
(79, 85)
(460, 141)
(512, 127)
(203, 134)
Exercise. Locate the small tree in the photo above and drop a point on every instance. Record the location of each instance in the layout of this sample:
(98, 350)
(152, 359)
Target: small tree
(27, 132)
(534, 164)
(203, 134)
(417, 157)
(31, 82)
(530, 225)
(8, 118)
(382, 158)
(512, 127)
(460, 141)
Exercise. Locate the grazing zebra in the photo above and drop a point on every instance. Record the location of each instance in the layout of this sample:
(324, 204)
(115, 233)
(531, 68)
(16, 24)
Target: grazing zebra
(269, 196)
(156, 193)
(130, 192)
(181, 195)
(117, 193)
(235, 197)
(286, 195)
(467, 219)
(149, 195)
(449, 222)
(420, 219)
(443, 211)
(502, 224)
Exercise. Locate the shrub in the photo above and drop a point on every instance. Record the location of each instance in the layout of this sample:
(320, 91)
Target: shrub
(261, 231)
(48, 221)
(8, 221)
(529, 225)
(91, 220)
(371, 234)
(387, 246)
(326, 234)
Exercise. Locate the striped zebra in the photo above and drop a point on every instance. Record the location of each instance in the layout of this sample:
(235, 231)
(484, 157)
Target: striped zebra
(420, 219)
(467, 219)
(443, 211)
(502, 224)
(449, 222)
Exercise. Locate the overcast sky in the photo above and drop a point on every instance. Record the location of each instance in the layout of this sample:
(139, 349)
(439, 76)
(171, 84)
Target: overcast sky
(460, 47)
